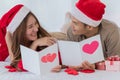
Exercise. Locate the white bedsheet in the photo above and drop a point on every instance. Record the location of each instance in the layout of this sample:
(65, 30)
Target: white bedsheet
(98, 75)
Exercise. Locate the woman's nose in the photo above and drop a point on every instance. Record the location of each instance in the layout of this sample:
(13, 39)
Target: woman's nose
(35, 28)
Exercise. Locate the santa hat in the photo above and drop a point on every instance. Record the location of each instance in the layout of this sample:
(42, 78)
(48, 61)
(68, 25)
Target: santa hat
(14, 17)
(89, 11)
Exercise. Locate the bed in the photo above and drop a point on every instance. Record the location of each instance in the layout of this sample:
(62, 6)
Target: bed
(97, 75)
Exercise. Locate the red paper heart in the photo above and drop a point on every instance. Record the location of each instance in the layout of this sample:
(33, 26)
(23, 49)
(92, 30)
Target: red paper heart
(90, 48)
(44, 59)
(19, 66)
(67, 70)
(8, 67)
(51, 58)
(12, 70)
(87, 71)
(71, 71)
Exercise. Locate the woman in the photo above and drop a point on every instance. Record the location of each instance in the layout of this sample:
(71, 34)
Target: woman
(24, 29)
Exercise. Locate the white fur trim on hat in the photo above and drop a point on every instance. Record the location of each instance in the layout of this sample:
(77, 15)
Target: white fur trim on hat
(83, 18)
(18, 18)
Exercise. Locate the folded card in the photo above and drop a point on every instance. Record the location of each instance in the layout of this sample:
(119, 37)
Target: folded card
(74, 53)
(41, 62)
(71, 53)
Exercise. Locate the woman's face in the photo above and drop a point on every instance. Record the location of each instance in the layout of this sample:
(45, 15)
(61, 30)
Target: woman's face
(32, 28)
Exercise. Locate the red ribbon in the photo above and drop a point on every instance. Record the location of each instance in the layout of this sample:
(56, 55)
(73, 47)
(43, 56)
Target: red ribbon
(113, 58)
(111, 62)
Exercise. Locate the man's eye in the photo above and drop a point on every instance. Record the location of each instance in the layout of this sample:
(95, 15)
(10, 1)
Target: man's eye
(75, 23)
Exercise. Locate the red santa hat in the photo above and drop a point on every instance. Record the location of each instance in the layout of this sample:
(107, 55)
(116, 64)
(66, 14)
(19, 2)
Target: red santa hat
(14, 17)
(89, 11)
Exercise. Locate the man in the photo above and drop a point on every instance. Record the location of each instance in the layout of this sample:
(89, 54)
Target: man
(86, 21)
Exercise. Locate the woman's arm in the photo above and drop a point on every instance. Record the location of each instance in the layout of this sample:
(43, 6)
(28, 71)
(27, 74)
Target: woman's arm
(9, 44)
(45, 41)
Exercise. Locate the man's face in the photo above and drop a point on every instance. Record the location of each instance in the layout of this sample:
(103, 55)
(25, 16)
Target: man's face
(78, 28)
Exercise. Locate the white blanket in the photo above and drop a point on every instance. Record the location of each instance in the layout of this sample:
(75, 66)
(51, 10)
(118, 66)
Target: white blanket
(98, 75)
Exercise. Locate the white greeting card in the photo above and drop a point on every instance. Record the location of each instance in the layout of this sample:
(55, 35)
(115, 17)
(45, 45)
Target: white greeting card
(41, 62)
(73, 53)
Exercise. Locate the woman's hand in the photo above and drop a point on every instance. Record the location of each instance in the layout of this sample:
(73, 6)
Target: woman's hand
(57, 68)
(45, 41)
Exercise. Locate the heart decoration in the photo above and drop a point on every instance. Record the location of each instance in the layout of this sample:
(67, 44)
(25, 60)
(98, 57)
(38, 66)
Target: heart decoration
(90, 48)
(43, 59)
(87, 71)
(48, 58)
(19, 66)
(71, 71)
(51, 57)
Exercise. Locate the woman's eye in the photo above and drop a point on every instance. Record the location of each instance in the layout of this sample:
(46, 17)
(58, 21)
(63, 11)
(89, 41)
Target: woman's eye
(30, 26)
